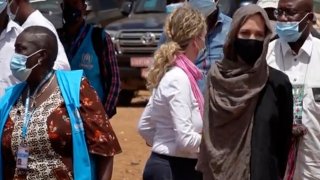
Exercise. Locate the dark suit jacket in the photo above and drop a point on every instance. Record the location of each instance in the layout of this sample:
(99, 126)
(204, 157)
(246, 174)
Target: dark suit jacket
(272, 126)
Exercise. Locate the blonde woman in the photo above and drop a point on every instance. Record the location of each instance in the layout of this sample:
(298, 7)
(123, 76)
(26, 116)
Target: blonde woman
(172, 121)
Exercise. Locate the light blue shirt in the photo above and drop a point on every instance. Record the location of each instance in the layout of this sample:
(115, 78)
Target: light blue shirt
(214, 47)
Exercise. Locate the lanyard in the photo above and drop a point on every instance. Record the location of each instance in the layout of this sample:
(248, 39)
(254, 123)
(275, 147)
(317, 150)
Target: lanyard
(298, 94)
(27, 114)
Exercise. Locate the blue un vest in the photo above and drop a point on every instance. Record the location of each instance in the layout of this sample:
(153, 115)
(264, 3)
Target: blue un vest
(86, 59)
(69, 84)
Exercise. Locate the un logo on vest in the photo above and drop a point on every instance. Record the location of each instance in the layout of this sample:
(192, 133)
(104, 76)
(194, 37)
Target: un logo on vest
(86, 61)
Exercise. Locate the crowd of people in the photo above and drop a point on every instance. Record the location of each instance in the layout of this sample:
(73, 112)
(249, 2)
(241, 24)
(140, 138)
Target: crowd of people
(58, 89)
(241, 102)
(232, 98)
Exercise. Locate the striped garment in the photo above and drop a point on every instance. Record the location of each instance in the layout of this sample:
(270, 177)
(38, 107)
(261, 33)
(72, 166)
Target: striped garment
(298, 130)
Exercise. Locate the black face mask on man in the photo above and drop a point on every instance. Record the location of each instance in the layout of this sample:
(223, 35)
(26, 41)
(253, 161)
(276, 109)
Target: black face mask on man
(70, 15)
(249, 50)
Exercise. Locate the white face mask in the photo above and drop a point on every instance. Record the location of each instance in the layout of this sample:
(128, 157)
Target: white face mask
(3, 4)
(290, 31)
(10, 14)
(18, 65)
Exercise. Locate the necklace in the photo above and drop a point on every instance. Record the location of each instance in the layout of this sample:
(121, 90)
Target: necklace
(298, 91)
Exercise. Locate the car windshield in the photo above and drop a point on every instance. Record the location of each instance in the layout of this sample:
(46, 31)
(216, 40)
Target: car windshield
(150, 6)
(46, 6)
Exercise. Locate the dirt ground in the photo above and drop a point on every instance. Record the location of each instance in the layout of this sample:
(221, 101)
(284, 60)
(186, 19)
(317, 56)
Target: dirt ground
(130, 163)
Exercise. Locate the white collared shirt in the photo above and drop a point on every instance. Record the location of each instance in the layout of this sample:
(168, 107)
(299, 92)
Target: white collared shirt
(294, 65)
(7, 40)
(171, 122)
(37, 19)
(303, 68)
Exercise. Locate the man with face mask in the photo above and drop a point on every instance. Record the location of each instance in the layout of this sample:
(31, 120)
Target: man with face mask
(270, 6)
(25, 15)
(297, 53)
(9, 31)
(218, 25)
(171, 6)
(91, 49)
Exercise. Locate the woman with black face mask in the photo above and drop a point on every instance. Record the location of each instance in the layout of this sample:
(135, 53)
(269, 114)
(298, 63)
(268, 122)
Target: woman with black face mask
(248, 107)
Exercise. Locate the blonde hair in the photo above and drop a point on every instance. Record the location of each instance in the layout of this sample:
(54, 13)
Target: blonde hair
(181, 26)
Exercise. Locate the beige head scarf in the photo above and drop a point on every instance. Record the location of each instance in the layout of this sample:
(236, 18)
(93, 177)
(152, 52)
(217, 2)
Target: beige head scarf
(230, 102)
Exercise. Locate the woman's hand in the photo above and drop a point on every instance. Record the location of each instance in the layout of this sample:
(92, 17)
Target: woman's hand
(299, 130)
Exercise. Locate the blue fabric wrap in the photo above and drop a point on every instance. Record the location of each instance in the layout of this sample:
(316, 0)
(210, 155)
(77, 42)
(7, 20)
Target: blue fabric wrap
(86, 59)
(70, 83)
(7, 100)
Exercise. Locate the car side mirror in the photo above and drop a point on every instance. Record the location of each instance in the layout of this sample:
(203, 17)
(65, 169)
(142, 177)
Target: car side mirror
(126, 8)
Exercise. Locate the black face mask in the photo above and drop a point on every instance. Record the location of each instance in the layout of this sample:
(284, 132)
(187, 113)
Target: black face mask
(249, 50)
(70, 15)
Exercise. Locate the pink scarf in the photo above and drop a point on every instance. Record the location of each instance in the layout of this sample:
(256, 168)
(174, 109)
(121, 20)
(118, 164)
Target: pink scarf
(194, 75)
